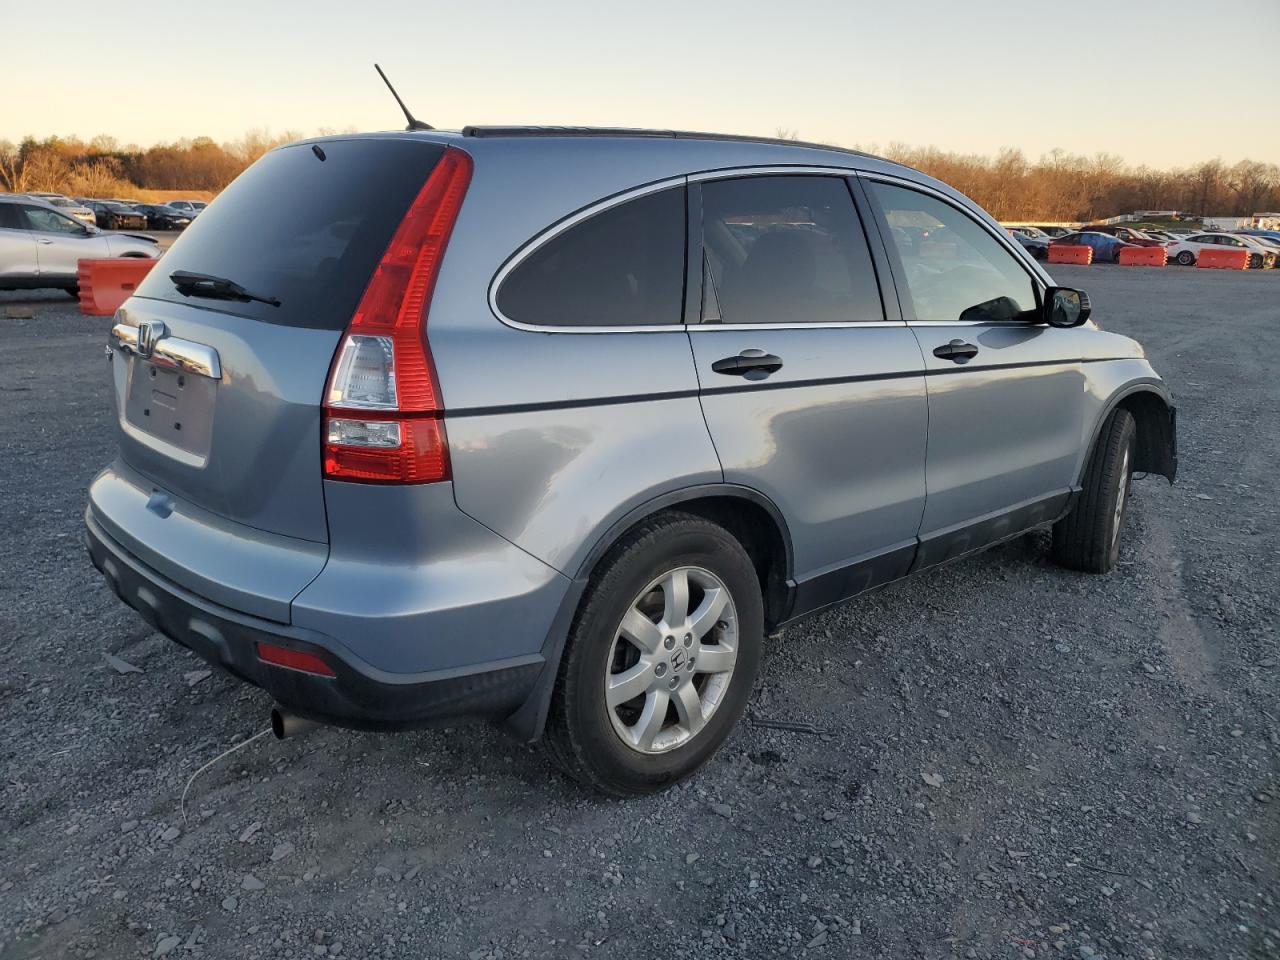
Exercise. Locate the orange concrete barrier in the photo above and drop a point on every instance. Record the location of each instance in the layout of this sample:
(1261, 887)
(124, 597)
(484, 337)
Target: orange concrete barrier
(1143, 256)
(107, 283)
(1070, 253)
(1233, 258)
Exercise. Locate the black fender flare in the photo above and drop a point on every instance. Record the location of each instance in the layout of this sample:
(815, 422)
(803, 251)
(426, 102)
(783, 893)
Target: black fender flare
(1159, 454)
(527, 722)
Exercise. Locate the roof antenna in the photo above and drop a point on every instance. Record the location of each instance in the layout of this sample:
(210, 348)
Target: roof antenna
(414, 123)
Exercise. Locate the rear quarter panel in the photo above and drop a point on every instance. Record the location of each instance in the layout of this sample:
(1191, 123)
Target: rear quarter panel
(555, 436)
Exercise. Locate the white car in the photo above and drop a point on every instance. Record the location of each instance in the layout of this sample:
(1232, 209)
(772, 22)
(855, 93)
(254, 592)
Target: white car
(1187, 251)
(192, 207)
(41, 247)
(68, 206)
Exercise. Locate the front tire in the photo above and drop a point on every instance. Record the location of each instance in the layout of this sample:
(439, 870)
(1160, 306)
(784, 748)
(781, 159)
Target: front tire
(1186, 258)
(660, 660)
(1088, 538)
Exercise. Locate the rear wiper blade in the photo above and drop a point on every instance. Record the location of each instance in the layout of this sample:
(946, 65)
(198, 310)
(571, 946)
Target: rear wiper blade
(217, 288)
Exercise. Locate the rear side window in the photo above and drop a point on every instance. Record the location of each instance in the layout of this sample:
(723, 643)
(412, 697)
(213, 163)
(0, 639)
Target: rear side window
(787, 249)
(621, 267)
(306, 226)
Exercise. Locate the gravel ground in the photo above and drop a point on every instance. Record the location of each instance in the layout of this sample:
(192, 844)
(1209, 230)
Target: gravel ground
(1003, 759)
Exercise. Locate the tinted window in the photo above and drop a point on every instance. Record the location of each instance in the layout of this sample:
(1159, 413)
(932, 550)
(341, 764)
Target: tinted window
(10, 218)
(787, 250)
(622, 267)
(305, 230)
(955, 269)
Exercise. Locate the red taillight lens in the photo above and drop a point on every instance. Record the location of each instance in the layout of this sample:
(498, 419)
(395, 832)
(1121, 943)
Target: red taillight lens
(420, 454)
(382, 401)
(294, 660)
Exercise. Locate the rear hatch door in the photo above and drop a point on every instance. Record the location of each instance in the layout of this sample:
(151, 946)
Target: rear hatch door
(304, 226)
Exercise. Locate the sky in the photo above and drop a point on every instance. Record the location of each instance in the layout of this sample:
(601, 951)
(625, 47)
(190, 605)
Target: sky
(971, 76)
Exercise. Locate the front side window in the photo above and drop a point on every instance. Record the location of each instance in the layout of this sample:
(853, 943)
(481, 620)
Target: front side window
(623, 267)
(787, 249)
(50, 221)
(955, 270)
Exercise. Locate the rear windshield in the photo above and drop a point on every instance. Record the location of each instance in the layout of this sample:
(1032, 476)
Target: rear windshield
(303, 225)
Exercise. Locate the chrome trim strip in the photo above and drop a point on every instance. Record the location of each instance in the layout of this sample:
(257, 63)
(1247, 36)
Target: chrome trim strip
(172, 352)
(727, 173)
(974, 323)
(834, 325)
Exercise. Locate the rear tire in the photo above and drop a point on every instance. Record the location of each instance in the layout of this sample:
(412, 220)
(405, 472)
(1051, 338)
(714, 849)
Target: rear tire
(1255, 261)
(1088, 538)
(679, 716)
(1186, 258)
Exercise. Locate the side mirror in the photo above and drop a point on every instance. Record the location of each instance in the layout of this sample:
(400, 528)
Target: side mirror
(1065, 307)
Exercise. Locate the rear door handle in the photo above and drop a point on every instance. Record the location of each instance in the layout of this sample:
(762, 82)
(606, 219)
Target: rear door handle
(957, 351)
(752, 364)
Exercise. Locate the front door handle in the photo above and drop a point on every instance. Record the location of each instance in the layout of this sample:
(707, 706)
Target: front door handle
(957, 351)
(43, 240)
(752, 364)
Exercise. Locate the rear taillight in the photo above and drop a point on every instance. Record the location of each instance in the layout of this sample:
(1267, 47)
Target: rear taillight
(383, 410)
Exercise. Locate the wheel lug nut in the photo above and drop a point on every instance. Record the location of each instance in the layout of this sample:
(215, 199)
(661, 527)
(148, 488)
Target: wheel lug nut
(675, 682)
(660, 669)
(688, 639)
(669, 642)
(691, 663)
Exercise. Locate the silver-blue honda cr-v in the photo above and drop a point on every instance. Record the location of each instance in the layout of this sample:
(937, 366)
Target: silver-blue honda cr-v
(552, 426)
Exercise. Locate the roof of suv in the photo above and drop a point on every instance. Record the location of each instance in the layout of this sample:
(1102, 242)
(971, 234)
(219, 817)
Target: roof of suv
(643, 133)
(727, 149)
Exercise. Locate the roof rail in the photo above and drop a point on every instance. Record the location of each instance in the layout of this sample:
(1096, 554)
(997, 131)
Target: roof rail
(514, 131)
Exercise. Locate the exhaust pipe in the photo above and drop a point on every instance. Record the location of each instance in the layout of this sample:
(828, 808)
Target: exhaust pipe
(286, 724)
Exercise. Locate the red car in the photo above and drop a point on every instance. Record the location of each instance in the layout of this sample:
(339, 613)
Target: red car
(1127, 234)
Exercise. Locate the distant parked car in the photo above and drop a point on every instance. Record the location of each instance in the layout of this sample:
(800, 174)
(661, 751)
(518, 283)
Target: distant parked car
(1034, 232)
(72, 208)
(1038, 247)
(1106, 248)
(193, 207)
(1253, 232)
(1270, 243)
(1052, 231)
(1127, 234)
(1164, 235)
(163, 217)
(112, 215)
(1187, 251)
(40, 246)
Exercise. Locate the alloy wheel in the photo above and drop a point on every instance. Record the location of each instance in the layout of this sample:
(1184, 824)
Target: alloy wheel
(671, 660)
(1121, 496)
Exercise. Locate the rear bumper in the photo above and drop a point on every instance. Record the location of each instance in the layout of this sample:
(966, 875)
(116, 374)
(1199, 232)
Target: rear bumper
(359, 695)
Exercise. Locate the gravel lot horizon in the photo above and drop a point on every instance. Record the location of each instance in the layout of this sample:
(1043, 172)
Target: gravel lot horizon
(997, 759)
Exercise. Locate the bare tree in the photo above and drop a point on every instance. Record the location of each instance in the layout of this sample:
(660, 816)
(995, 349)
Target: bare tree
(1251, 182)
(12, 167)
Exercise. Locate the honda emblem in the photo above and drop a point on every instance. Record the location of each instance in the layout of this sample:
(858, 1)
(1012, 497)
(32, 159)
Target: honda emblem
(149, 333)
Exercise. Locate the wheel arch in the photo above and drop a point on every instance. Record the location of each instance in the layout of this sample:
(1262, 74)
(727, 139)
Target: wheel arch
(1156, 418)
(749, 515)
